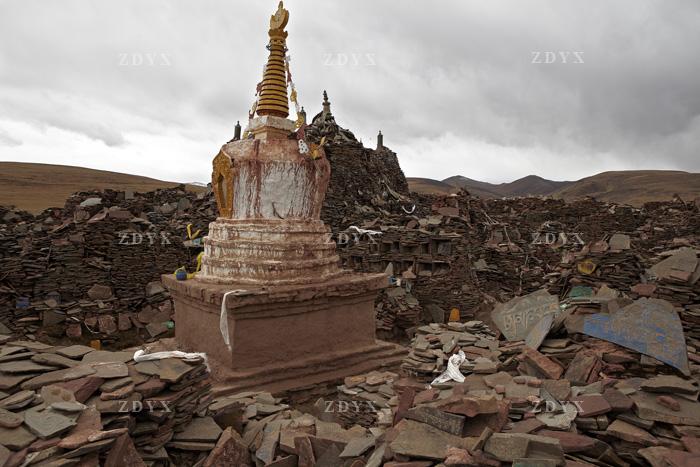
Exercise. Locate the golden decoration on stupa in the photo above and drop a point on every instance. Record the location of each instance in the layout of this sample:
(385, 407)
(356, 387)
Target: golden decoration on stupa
(273, 98)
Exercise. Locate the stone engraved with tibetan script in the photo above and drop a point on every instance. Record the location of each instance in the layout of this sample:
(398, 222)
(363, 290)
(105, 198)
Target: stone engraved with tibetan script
(517, 317)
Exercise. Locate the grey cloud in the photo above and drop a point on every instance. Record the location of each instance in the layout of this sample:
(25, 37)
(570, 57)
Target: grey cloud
(7, 140)
(414, 70)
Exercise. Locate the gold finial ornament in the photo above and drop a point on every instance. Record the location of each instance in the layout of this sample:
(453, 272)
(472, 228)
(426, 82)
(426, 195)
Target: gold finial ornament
(280, 18)
(273, 99)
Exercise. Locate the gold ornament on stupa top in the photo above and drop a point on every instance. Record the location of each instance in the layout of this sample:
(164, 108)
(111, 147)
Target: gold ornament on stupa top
(273, 99)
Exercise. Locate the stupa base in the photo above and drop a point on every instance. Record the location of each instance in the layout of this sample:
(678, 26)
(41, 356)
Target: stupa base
(301, 373)
(283, 337)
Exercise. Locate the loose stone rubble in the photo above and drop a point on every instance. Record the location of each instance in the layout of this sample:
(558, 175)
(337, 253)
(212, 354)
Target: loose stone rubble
(75, 404)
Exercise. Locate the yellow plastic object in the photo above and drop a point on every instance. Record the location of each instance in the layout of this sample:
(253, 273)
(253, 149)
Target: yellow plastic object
(96, 344)
(190, 275)
(454, 315)
(199, 266)
(586, 267)
(189, 232)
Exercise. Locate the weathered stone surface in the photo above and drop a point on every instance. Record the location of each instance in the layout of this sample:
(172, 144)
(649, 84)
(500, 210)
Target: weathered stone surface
(105, 356)
(151, 387)
(330, 456)
(88, 423)
(114, 384)
(71, 407)
(426, 396)
(468, 405)
(448, 422)
(269, 443)
(124, 321)
(16, 438)
(202, 429)
(17, 400)
(31, 345)
(592, 405)
(535, 463)
(24, 366)
(54, 360)
(287, 461)
(546, 367)
(671, 384)
(648, 408)
(570, 442)
(54, 393)
(172, 369)
(669, 402)
(229, 450)
(123, 454)
(121, 393)
(82, 388)
(10, 419)
(507, 446)
(9, 382)
(358, 446)
(57, 376)
(107, 324)
(333, 431)
(100, 292)
(48, 423)
(559, 420)
(74, 351)
(630, 417)
(619, 402)
(584, 368)
(560, 389)
(305, 452)
(510, 446)
(191, 446)
(421, 440)
(659, 456)
(4, 455)
(628, 432)
(110, 370)
(526, 426)
(458, 457)
(516, 318)
(97, 446)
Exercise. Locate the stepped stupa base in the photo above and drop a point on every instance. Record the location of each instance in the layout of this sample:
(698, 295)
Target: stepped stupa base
(283, 337)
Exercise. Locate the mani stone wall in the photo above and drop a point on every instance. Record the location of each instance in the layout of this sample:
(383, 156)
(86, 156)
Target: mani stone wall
(361, 179)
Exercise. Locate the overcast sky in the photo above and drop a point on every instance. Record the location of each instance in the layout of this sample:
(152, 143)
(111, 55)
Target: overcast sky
(154, 87)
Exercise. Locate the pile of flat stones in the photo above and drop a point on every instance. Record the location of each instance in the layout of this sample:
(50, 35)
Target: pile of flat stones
(75, 404)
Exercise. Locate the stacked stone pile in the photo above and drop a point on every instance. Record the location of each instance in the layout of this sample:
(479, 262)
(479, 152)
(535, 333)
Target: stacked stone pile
(66, 404)
(115, 242)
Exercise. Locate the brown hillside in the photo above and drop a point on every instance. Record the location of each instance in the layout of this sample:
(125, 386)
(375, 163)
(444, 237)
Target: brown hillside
(635, 187)
(429, 186)
(35, 187)
(532, 185)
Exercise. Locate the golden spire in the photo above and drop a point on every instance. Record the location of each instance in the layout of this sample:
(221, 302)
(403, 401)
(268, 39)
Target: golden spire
(273, 98)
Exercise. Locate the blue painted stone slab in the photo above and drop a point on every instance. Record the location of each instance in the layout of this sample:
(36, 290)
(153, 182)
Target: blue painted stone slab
(649, 326)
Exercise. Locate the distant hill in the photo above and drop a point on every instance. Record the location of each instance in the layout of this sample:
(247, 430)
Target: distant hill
(530, 185)
(430, 186)
(475, 187)
(35, 187)
(634, 187)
